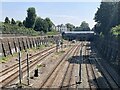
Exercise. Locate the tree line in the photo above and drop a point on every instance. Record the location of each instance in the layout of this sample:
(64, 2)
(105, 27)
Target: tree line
(33, 21)
(83, 27)
(107, 31)
(107, 18)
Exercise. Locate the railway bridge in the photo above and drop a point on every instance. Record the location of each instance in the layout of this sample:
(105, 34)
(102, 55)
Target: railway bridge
(78, 35)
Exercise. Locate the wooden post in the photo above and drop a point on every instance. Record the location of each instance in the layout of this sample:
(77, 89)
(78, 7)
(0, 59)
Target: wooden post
(20, 71)
(80, 62)
(28, 68)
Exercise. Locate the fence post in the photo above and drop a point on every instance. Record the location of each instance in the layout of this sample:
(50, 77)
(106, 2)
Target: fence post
(20, 71)
(28, 68)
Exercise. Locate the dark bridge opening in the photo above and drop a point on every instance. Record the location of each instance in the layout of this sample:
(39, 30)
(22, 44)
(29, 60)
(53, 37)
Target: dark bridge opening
(78, 35)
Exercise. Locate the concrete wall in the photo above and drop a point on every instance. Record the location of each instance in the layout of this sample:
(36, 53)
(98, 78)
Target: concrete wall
(10, 45)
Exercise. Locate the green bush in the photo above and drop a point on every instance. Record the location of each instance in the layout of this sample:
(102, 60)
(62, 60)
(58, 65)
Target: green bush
(115, 30)
(53, 32)
(14, 29)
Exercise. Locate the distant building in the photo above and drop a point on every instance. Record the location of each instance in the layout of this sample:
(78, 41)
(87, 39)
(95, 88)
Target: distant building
(61, 28)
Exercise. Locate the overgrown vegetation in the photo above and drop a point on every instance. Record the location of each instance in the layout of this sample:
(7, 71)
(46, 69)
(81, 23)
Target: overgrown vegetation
(5, 59)
(107, 16)
(52, 33)
(107, 30)
(14, 29)
(32, 25)
(116, 30)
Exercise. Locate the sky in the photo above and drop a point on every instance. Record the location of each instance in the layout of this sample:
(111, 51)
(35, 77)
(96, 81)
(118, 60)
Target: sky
(58, 12)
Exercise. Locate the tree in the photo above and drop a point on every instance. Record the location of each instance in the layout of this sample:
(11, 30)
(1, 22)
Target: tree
(49, 23)
(70, 26)
(13, 21)
(85, 26)
(7, 20)
(24, 22)
(118, 12)
(97, 28)
(102, 16)
(107, 16)
(38, 24)
(41, 25)
(30, 19)
(46, 26)
(116, 30)
(19, 23)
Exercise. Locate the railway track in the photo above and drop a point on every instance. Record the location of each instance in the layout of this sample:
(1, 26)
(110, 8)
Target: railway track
(23, 61)
(105, 67)
(92, 79)
(83, 82)
(12, 67)
(98, 76)
(69, 80)
(112, 83)
(91, 73)
(74, 75)
(52, 77)
(98, 80)
(11, 75)
(66, 71)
